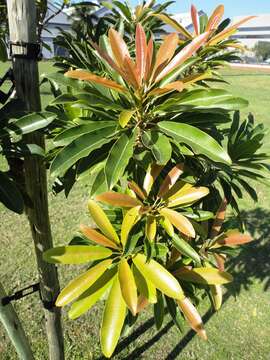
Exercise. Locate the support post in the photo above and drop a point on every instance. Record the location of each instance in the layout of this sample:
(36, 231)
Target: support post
(14, 328)
(23, 31)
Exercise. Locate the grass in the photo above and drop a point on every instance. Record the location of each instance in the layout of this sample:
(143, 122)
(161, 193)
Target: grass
(238, 331)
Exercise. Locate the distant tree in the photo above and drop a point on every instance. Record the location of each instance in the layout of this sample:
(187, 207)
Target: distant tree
(262, 50)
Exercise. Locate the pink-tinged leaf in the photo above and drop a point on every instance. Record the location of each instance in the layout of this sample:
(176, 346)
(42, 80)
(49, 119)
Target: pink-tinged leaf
(183, 55)
(117, 199)
(141, 51)
(138, 191)
(131, 72)
(97, 237)
(166, 50)
(171, 179)
(229, 31)
(215, 18)
(235, 238)
(194, 16)
(150, 176)
(119, 47)
(179, 221)
(220, 217)
(192, 316)
(87, 76)
(149, 59)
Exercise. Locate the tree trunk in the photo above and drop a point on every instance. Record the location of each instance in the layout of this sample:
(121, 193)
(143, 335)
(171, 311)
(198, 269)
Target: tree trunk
(22, 28)
(14, 329)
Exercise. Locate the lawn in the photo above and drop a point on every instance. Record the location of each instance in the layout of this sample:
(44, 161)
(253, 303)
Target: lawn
(239, 331)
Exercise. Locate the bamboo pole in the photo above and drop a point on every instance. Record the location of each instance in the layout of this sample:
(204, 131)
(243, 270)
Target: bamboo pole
(14, 328)
(23, 29)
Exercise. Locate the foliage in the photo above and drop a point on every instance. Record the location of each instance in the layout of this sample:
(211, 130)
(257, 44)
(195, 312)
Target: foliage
(262, 50)
(161, 153)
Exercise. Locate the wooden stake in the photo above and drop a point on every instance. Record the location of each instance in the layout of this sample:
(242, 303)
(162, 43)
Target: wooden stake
(14, 329)
(22, 30)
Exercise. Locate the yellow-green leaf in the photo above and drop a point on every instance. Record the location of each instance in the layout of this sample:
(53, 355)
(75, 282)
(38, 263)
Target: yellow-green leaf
(174, 24)
(189, 196)
(102, 221)
(179, 221)
(159, 276)
(167, 226)
(113, 319)
(151, 228)
(216, 295)
(75, 254)
(128, 286)
(93, 294)
(150, 176)
(83, 282)
(130, 219)
(146, 287)
(125, 117)
(204, 275)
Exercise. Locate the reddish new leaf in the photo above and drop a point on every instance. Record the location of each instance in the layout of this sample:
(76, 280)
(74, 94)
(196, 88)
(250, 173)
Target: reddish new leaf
(194, 16)
(117, 199)
(215, 18)
(141, 51)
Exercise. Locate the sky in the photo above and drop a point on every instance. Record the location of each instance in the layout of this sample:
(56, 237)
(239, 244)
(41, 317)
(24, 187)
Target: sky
(232, 7)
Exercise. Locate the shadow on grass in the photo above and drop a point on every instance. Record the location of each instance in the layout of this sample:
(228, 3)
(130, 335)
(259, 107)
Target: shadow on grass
(252, 264)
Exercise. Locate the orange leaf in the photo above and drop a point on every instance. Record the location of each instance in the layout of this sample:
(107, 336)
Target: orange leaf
(149, 59)
(133, 186)
(166, 50)
(192, 316)
(194, 16)
(97, 237)
(183, 55)
(119, 47)
(179, 221)
(171, 179)
(131, 72)
(235, 239)
(142, 303)
(215, 18)
(220, 260)
(87, 76)
(141, 51)
(117, 199)
(220, 217)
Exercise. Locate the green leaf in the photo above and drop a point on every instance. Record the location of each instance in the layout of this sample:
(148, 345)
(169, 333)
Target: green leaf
(3, 50)
(184, 248)
(76, 254)
(113, 319)
(80, 148)
(92, 295)
(175, 313)
(118, 158)
(67, 136)
(64, 99)
(125, 117)
(202, 100)
(29, 123)
(160, 146)
(10, 196)
(200, 142)
(159, 310)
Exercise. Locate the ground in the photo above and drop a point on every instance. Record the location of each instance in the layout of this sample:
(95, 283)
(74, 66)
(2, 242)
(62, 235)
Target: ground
(239, 331)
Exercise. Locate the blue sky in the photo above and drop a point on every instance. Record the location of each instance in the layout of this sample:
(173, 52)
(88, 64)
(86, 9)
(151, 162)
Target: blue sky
(232, 7)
